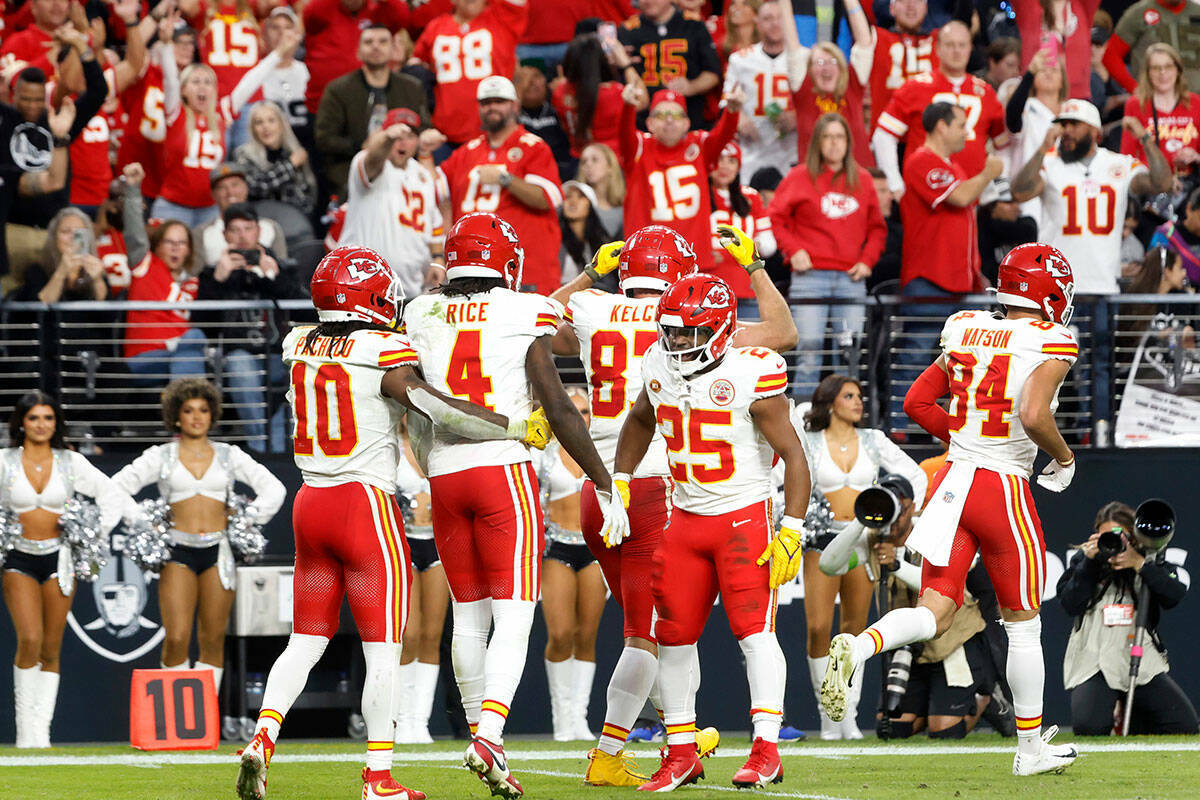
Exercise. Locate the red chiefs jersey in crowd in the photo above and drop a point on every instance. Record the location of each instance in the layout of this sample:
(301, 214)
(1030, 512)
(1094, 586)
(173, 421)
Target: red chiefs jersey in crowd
(331, 38)
(31, 46)
(605, 122)
(754, 224)
(147, 330)
(525, 156)
(230, 46)
(189, 155)
(929, 220)
(145, 128)
(110, 249)
(463, 55)
(898, 57)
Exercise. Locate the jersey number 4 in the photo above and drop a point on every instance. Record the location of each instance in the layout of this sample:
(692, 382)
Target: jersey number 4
(464, 374)
(318, 385)
(990, 395)
(687, 435)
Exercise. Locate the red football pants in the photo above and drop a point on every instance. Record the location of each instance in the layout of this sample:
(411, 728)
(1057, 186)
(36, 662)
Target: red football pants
(487, 523)
(701, 555)
(629, 567)
(350, 539)
(1000, 521)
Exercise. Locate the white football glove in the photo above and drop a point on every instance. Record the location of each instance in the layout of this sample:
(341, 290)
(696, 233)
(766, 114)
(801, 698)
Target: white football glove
(616, 519)
(1057, 477)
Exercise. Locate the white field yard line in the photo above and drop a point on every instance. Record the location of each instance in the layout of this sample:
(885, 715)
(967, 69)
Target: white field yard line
(705, 786)
(413, 758)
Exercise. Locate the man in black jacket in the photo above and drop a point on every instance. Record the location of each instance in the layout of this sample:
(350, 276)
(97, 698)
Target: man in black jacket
(249, 338)
(354, 106)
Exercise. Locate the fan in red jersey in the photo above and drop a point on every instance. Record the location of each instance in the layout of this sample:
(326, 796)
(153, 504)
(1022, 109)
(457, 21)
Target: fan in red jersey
(229, 44)
(349, 533)
(511, 173)
(1003, 374)
(741, 207)
(950, 83)
(666, 170)
(479, 39)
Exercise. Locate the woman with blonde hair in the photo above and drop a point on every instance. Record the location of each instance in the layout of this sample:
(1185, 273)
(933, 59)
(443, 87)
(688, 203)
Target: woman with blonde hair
(600, 169)
(195, 477)
(822, 81)
(276, 165)
(68, 268)
(195, 140)
(1166, 109)
(39, 474)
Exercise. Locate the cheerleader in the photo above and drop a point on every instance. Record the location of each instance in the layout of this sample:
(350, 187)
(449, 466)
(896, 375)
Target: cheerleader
(195, 476)
(843, 459)
(573, 590)
(37, 478)
(416, 680)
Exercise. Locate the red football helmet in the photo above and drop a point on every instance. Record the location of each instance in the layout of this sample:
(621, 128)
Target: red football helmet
(654, 258)
(484, 246)
(1038, 277)
(355, 283)
(697, 316)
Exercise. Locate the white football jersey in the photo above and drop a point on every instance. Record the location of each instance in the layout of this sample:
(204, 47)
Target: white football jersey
(473, 347)
(989, 359)
(1083, 215)
(614, 332)
(397, 215)
(764, 79)
(718, 458)
(346, 429)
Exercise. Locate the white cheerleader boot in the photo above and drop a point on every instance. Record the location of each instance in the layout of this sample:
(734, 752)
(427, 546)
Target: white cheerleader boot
(581, 695)
(422, 703)
(403, 690)
(559, 675)
(24, 702)
(46, 698)
(830, 731)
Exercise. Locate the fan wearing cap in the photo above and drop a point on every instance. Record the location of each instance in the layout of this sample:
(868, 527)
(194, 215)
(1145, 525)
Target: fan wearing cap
(480, 339)
(724, 415)
(1085, 188)
(462, 48)
(666, 170)
(392, 206)
(1003, 373)
(511, 173)
(742, 208)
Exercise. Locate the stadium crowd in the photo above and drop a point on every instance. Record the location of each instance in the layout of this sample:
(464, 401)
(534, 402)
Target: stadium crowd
(200, 150)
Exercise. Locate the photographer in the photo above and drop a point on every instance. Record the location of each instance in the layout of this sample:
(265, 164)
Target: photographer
(951, 676)
(248, 271)
(1100, 588)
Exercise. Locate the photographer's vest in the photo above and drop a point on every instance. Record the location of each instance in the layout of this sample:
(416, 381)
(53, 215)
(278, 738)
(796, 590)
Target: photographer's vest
(1098, 647)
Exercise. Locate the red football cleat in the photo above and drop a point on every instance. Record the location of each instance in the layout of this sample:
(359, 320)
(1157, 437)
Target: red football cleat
(380, 785)
(762, 768)
(487, 760)
(680, 766)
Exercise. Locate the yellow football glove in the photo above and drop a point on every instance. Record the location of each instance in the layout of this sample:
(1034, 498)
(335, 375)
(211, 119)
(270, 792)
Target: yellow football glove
(537, 430)
(741, 247)
(621, 485)
(604, 261)
(784, 552)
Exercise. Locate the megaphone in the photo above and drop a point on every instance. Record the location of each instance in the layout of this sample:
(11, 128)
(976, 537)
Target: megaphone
(879, 506)
(1154, 524)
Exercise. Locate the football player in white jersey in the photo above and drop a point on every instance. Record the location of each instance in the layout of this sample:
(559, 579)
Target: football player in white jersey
(349, 376)
(479, 339)
(1084, 189)
(611, 333)
(1003, 373)
(723, 414)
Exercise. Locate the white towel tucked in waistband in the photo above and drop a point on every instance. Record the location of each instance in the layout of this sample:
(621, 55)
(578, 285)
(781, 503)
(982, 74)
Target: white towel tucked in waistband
(933, 534)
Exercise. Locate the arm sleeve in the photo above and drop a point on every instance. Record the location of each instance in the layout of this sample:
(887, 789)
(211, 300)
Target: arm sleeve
(887, 156)
(139, 473)
(89, 103)
(1164, 583)
(172, 99)
(1114, 61)
(630, 146)
(114, 503)
(716, 139)
(269, 492)
(1014, 109)
(921, 402)
(908, 574)
(1129, 145)
(252, 81)
(838, 557)
(895, 460)
(1077, 584)
(137, 243)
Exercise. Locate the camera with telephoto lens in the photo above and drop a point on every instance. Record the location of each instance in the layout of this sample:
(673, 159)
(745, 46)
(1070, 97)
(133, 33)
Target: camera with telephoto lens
(879, 506)
(1153, 525)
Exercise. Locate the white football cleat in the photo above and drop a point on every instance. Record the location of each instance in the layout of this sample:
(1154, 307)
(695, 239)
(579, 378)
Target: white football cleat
(1048, 758)
(487, 760)
(835, 686)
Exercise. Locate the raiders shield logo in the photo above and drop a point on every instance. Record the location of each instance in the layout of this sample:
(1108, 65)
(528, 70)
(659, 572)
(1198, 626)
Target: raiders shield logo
(107, 614)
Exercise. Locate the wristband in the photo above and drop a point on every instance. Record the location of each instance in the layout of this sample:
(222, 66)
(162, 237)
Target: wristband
(62, 141)
(792, 523)
(590, 271)
(505, 179)
(1145, 137)
(754, 266)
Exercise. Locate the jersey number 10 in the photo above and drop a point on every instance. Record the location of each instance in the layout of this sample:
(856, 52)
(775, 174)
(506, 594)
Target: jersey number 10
(317, 414)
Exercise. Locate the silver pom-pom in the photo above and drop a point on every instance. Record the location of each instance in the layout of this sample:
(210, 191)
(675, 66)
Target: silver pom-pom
(818, 523)
(147, 540)
(243, 531)
(10, 531)
(80, 526)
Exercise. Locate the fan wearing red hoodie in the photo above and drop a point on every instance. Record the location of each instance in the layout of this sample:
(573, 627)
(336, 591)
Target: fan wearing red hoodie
(826, 218)
(666, 170)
